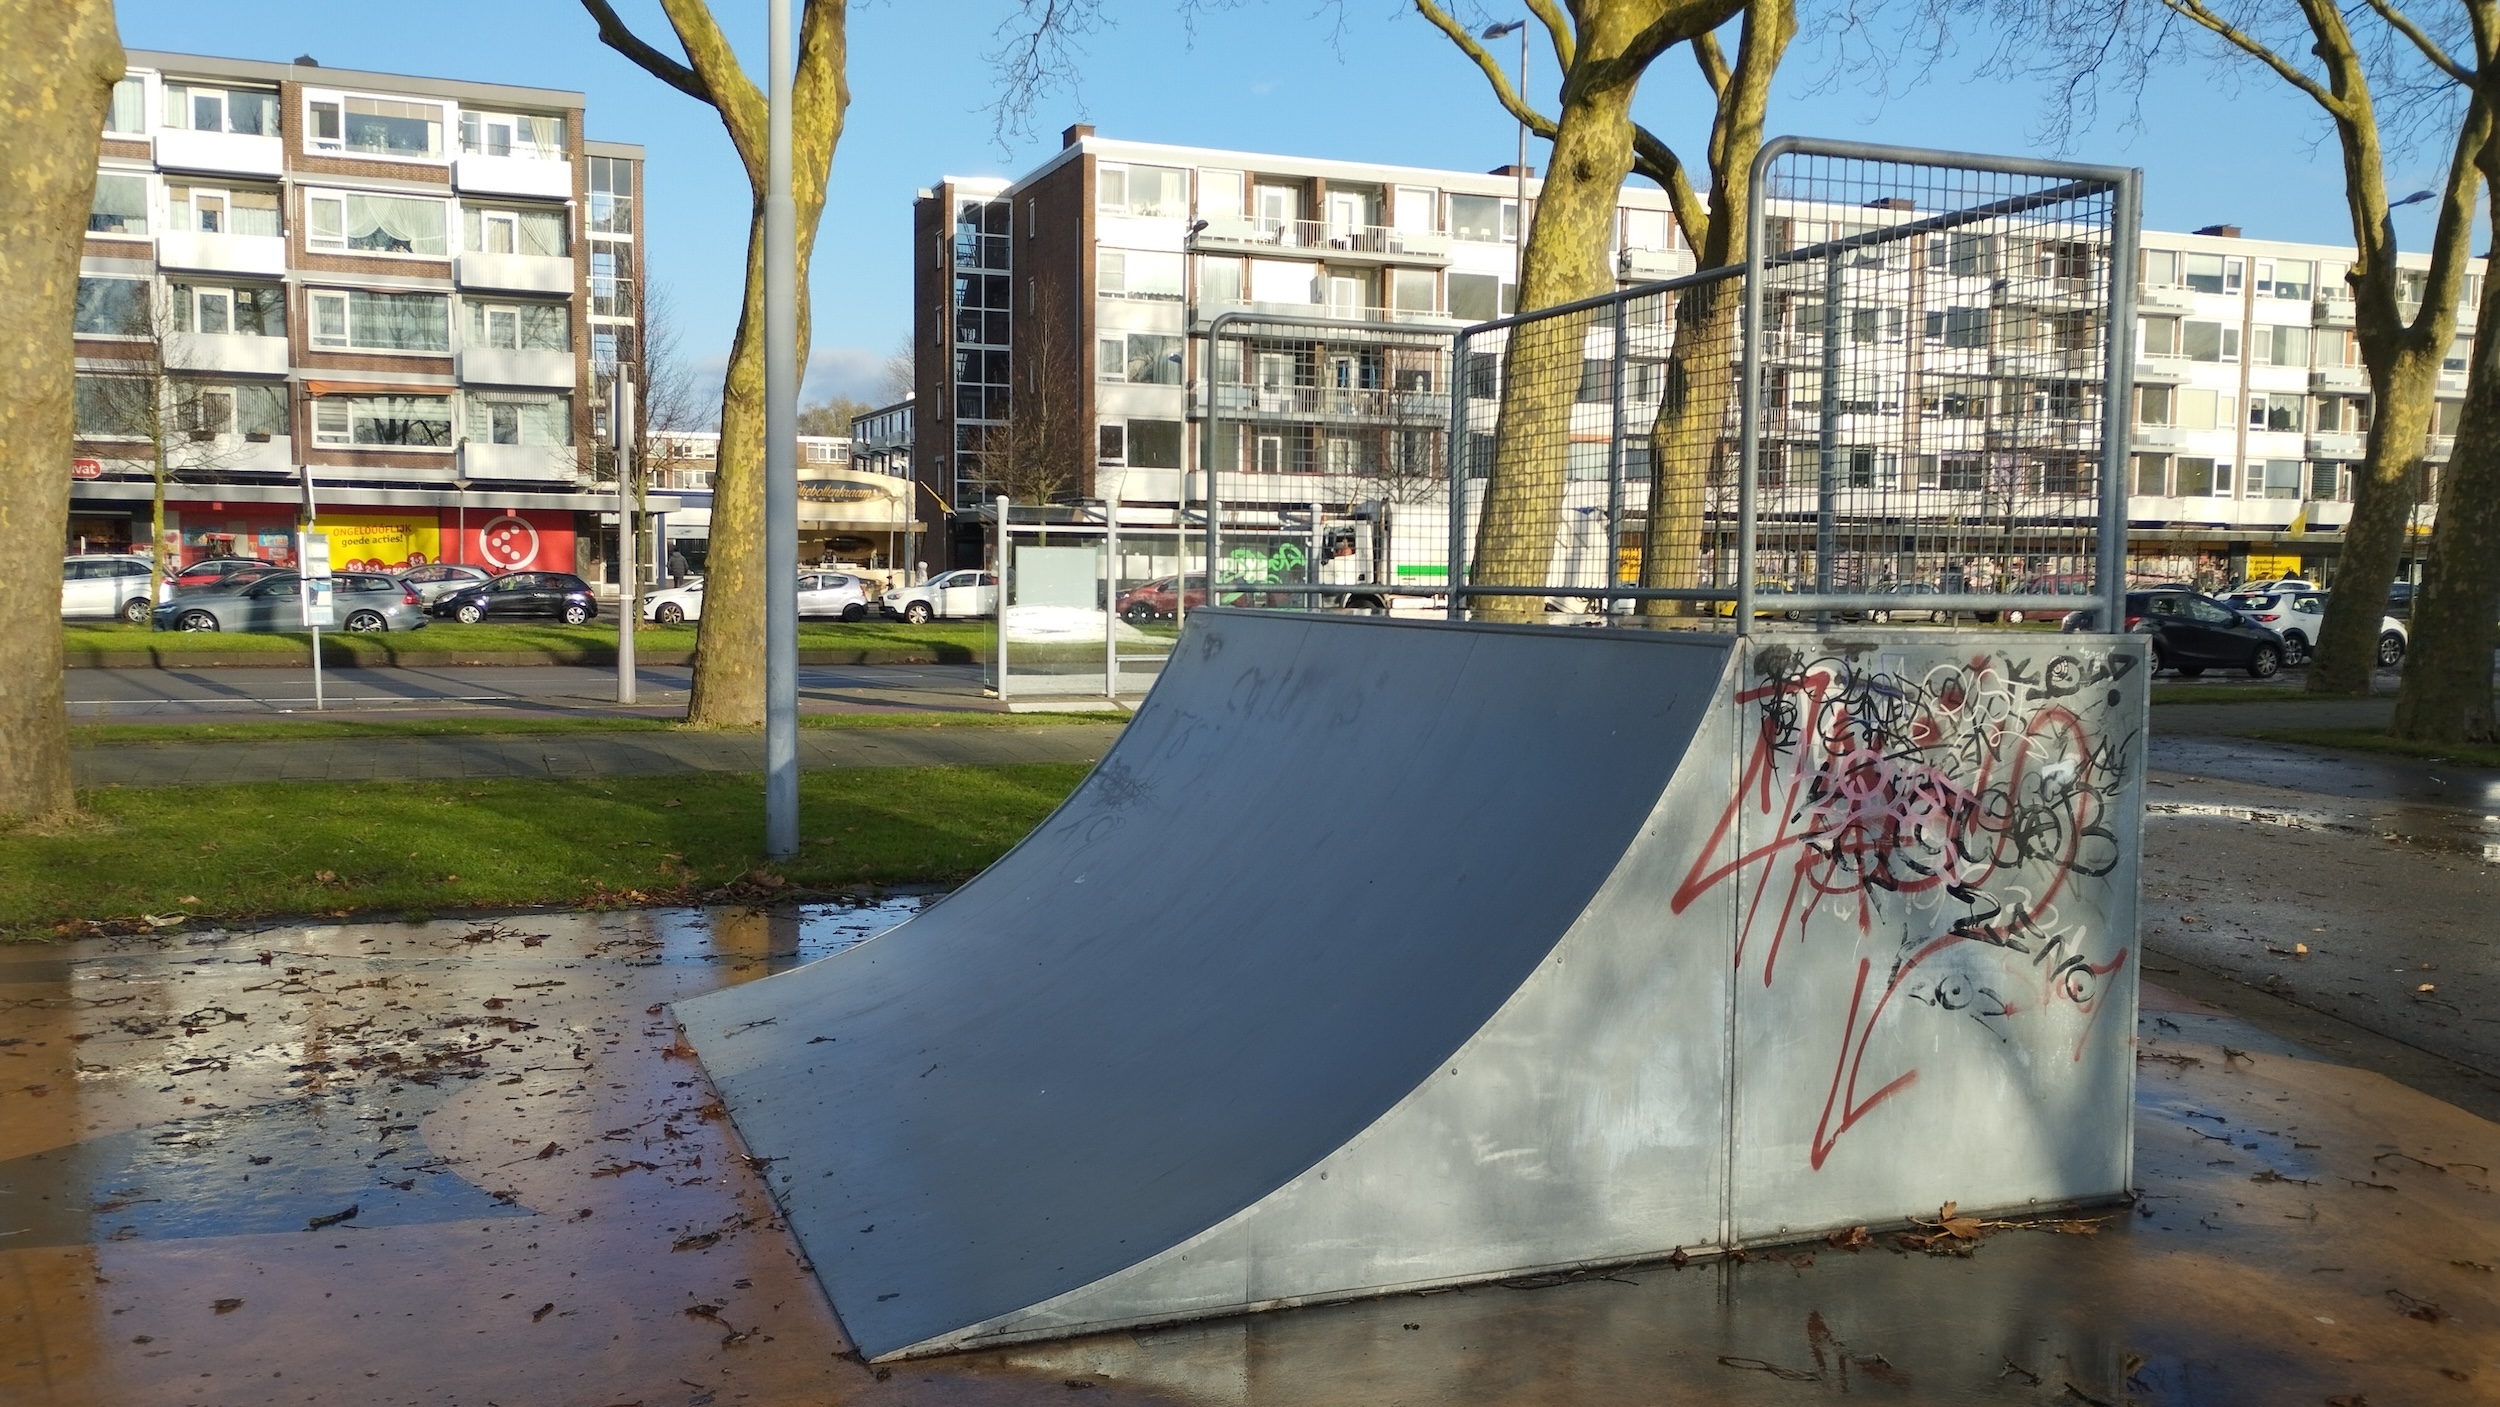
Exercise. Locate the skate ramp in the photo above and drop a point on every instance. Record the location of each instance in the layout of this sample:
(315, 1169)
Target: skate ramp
(1384, 956)
(1324, 853)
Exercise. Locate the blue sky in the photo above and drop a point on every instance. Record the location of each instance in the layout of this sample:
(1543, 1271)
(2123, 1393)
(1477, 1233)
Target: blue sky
(1365, 81)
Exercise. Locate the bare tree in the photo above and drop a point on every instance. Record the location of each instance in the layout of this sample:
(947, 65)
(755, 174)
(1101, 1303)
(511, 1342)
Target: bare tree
(56, 91)
(1038, 455)
(896, 381)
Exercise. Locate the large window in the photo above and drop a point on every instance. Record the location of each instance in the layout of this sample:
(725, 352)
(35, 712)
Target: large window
(611, 195)
(1476, 297)
(1142, 190)
(2276, 411)
(1154, 444)
(121, 204)
(982, 233)
(111, 307)
(512, 134)
(252, 410)
(2280, 346)
(128, 115)
(387, 127)
(213, 211)
(1484, 218)
(612, 278)
(1137, 273)
(521, 327)
(1958, 327)
(520, 420)
(514, 231)
(188, 105)
(376, 224)
(2284, 278)
(110, 407)
(2281, 478)
(1411, 290)
(390, 422)
(252, 312)
(2211, 273)
(2210, 341)
(358, 320)
(1140, 359)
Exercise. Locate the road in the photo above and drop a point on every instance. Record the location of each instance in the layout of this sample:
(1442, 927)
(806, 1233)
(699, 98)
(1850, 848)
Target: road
(172, 695)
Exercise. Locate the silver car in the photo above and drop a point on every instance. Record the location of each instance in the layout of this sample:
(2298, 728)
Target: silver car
(436, 580)
(361, 602)
(832, 594)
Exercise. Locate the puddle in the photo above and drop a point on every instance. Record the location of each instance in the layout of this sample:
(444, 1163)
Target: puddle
(2425, 828)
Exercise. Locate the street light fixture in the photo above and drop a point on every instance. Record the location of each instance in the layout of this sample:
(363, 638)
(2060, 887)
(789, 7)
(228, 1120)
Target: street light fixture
(1519, 237)
(781, 460)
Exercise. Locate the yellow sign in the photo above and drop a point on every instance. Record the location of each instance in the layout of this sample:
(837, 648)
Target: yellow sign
(359, 543)
(2265, 568)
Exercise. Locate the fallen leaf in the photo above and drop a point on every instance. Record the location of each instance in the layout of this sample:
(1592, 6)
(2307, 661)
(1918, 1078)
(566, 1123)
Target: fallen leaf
(542, 1311)
(326, 876)
(188, 900)
(2427, 987)
(671, 804)
(2300, 950)
(228, 1306)
(696, 1243)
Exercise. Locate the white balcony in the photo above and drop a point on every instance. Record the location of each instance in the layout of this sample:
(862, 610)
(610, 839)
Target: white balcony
(226, 153)
(2349, 380)
(232, 352)
(2162, 371)
(502, 366)
(517, 273)
(2165, 302)
(238, 454)
(2328, 444)
(2440, 447)
(1649, 264)
(264, 255)
(1344, 243)
(2160, 437)
(508, 462)
(474, 172)
(2333, 312)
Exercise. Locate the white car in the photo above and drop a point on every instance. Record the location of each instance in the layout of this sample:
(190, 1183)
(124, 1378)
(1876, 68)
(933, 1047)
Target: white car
(99, 586)
(964, 593)
(821, 594)
(2297, 613)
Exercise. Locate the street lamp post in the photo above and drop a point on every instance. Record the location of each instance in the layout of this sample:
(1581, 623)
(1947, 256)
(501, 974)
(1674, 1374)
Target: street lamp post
(1519, 237)
(781, 463)
(628, 590)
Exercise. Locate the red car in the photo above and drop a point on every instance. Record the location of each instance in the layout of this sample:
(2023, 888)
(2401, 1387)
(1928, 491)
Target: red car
(1155, 600)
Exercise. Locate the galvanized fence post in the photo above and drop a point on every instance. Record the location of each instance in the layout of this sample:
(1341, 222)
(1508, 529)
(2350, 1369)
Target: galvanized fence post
(1457, 458)
(2117, 394)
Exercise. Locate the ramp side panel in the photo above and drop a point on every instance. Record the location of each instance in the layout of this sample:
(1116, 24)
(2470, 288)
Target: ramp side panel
(1323, 854)
(1935, 847)
(1584, 1123)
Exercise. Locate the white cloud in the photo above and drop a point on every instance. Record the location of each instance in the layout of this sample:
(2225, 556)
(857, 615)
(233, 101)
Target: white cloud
(855, 372)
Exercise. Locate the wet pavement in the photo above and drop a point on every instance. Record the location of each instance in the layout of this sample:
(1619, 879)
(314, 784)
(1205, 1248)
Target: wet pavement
(469, 1163)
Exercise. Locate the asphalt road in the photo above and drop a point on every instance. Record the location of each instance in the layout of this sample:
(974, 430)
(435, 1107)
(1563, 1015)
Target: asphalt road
(171, 695)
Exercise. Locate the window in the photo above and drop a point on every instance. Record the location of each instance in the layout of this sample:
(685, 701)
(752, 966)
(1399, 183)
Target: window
(1415, 210)
(611, 195)
(221, 110)
(1645, 229)
(2160, 339)
(2152, 475)
(1154, 444)
(981, 233)
(381, 322)
(2210, 341)
(2211, 273)
(510, 134)
(121, 205)
(2290, 278)
(128, 114)
(1476, 297)
(1219, 280)
(1219, 195)
(2204, 410)
(2280, 346)
(375, 224)
(1140, 358)
(2326, 482)
(1137, 273)
(539, 233)
(1964, 255)
(111, 307)
(394, 422)
(251, 312)
(1959, 327)
(110, 407)
(2445, 416)
(2276, 478)
(521, 327)
(1112, 444)
(211, 211)
(2196, 477)
(1142, 190)
(2280, 411)
(1952, 473)
(1954, 399)
(257, 411)
(2161, 268)
(376, 127)
(2460, 355)
(520, 420)
(1411, 290)
(612, 279)
(1485, 219)
(2155, 405)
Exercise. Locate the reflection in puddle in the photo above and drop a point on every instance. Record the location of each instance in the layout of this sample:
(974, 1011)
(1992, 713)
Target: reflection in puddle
(2419, 827)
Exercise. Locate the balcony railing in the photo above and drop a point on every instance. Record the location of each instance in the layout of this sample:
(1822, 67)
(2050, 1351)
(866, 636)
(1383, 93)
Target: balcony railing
(2350, 380)
(1325, 237)
(1420, 408)
(1209, 310)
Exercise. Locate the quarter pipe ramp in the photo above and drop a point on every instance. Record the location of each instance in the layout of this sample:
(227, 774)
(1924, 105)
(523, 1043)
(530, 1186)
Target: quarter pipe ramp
(1380, 955)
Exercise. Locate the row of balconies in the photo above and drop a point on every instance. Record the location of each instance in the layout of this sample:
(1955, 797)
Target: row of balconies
(241, 354)
(1348, 243)
(275, 454)
(264, 256)
(239, 154)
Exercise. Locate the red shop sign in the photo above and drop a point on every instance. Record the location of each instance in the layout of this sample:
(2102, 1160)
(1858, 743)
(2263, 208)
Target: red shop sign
(86, 468)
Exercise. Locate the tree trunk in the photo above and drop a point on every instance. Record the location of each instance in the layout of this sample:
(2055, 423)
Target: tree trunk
(1690, 435)
(2401, 385)
(54, 95)
(1565, 259)
(2446, 696)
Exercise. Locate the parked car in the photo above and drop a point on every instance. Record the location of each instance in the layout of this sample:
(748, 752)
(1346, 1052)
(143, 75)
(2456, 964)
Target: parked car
(2193, 633)
(2297, 616)
(2053, 584)
(1908, 592)
(222, 569)
(362, 602)
(961, 593)
(97, 586)
(836, 594)
(2400, 600)
(516, 594)
(369, 602)
(675, 605)
(436, 580)
(1161, 599)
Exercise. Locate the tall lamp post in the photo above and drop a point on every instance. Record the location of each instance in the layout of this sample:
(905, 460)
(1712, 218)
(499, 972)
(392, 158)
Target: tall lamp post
(781, 463)
(1519, 237)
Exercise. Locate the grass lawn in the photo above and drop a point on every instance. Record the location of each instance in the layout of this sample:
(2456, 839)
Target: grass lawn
(594, 643)
(2366, 740)
(397, 848)
(501, 726)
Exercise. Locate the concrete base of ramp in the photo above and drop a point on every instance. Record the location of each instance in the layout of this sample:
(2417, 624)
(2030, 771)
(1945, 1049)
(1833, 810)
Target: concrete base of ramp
(1385, 955)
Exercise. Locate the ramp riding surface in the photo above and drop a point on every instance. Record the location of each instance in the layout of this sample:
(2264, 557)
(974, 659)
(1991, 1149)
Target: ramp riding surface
(1323, 854)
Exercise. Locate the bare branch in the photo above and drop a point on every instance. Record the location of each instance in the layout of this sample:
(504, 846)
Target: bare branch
(617, 35)
(1509, 97)
(1713, 63)
(2403, 24)
(2195, 12)
(1658, 161)
(1036, 53)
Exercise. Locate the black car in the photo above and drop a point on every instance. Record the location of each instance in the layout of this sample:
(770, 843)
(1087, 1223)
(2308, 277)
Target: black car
(515, 594)
(2193, 633)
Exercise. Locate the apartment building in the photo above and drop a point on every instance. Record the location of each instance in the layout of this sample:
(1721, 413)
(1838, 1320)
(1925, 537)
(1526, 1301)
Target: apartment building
(1063, 315)
(396, 303)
